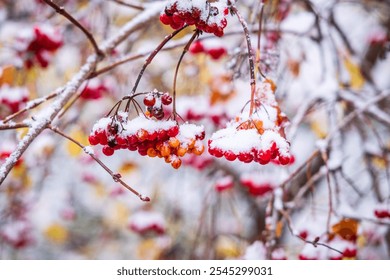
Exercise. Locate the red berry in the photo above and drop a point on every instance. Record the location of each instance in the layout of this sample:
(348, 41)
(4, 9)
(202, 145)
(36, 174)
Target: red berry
(108, 151)
(350, 253)
(93, 140)
(229, 155)
(165, 19)
(166, 99)
(263, 157)
(284, 160)
(245, 157)
(173, 131)
(216, 53)
(197, 47)
(149, 100)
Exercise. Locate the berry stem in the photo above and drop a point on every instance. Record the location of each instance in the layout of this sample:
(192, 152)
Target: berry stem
(250, 58)
(185, 50)
(69, 17)
(258, 52)
(150, 59)
(115, 176)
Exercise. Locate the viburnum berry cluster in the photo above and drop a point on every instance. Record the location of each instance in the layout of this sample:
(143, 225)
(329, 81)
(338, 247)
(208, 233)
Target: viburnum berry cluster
(155, 102)
(149, 136)
(255, 137)
(256, 184)
(207, 16)
(38, 45)
(146, 222)
(214, 51)
(95, 89)
(382, 211)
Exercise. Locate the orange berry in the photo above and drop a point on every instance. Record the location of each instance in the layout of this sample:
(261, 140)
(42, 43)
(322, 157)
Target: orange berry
(191, 144)
(174, 142)
(165, 150)
(151, 152)
(142, 135)
(168, 159)
(198, 149)
(181, 151)
(176, 163)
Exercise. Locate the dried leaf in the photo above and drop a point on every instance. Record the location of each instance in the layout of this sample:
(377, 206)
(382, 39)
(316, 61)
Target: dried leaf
(7, 75)
(356, 79)
(346, 229)
(279, 229)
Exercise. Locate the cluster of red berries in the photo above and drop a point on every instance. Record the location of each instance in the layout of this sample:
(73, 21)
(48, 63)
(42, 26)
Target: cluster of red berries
(209, 17)
(259, 145)
(144, 222)
(215, 52)
(17, 234)
(382, 213)
(150, 137)
(40, 46)
(13, 98)
(155, 102)
(256, 188)
(94, 90)
(258, 136)
(224, 183)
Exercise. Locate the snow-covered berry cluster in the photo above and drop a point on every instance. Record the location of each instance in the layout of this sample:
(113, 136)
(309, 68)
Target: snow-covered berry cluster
(94, 90)
(257, 137)
(38, 45)
(256, 184)
(150, 137)
(207, 16)
(144, 222)
(224, 183)
(215, 51)
(13, 98)
(17, 234)
(382, 211)
(155, 102)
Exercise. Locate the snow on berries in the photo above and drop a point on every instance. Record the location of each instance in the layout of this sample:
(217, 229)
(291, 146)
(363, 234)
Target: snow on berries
(38, 44)
(209, 17)
(258, 137)
(143, 222)
(149, 136)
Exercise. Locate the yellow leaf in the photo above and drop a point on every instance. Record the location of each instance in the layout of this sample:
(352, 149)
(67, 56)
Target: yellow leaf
(356, 79)
(127, 167)
(379, 162)
(56, 233)
(7, 75)
(117, 216)
(100, 190)
(77, 134)
(319, 129)
(148, 249)
(227, 248)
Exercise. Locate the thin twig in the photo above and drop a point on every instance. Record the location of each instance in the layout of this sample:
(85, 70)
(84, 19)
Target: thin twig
(250, 58)
(185, 50)
(137, 6)
(64, 13)
(115, 176)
